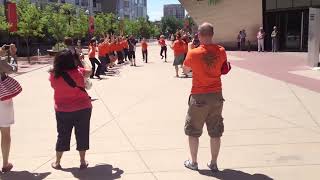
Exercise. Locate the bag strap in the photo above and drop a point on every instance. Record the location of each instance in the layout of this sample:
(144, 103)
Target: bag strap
(68, 79)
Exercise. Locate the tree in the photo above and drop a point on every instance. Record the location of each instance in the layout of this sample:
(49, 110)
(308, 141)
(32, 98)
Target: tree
(3, 22)
(80, 25)
(170, 25)
(56, 22)
(29, 23)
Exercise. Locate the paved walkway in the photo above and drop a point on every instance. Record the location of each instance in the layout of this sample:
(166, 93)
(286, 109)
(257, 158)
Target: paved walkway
(272, 127)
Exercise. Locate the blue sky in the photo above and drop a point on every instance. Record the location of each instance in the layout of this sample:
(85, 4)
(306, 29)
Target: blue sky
(155, 8)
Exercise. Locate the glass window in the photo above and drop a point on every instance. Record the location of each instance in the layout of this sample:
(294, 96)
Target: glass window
(315, 2)
(284, 4)
(271, 4)
(77, 2)
(301, 3)
(94, 2)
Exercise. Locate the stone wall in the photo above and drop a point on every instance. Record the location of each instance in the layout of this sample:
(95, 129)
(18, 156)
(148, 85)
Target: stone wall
(228, 18)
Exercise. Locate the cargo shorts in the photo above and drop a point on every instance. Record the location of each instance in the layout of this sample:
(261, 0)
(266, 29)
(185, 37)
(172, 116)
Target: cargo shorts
(205, 109)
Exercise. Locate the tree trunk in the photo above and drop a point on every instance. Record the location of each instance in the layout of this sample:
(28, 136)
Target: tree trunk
(28, 50)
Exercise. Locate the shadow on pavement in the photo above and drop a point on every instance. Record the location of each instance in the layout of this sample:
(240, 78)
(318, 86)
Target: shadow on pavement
(229, 174)
(98, 172)
(23, 175)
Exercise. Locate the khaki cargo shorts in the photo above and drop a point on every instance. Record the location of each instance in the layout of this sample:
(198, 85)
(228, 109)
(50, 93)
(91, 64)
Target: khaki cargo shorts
(205, 109)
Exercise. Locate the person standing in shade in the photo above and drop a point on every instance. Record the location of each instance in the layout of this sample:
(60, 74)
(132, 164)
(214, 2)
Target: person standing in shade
(179, 52)
(275, 39)
(260, 37)
(206, 100)
(144, 47)
(239, 40)
(72, 106)
(162, 43)
(243, 36)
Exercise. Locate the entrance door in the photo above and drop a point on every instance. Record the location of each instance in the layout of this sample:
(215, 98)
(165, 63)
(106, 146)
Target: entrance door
(293, 30)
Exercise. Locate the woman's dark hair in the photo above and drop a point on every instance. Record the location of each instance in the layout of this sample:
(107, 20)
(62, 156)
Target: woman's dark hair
(68, 41)
(63, 61)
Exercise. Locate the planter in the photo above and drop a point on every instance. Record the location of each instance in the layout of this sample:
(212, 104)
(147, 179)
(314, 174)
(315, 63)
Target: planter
(52, 52)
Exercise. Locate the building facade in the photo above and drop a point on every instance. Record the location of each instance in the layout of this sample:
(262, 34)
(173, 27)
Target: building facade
(175, 10)
(230, 16)
(130, 9)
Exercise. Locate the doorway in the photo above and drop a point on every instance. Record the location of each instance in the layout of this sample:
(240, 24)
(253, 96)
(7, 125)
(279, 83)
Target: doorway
(292, 27)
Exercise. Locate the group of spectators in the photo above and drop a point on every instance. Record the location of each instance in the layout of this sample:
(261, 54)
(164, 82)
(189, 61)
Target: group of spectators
(261, 35)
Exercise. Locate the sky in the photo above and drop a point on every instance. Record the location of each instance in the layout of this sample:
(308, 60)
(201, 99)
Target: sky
(155, 8)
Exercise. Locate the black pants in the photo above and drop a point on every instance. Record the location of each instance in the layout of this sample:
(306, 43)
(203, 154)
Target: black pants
(104, 63)
(163, 49)
(95, 61)
(145, 55)
(120, 56)
(132, 55)
(126, 53)
(80, 120)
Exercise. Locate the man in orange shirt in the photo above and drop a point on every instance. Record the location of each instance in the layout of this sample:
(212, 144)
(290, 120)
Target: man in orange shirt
(179, 51)
(144, 47)
(162, 43)
(206, 100)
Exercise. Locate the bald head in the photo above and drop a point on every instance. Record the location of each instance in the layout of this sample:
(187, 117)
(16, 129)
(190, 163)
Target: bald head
(206, 30)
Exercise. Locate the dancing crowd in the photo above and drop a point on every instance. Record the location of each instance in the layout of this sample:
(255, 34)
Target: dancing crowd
(71, 74)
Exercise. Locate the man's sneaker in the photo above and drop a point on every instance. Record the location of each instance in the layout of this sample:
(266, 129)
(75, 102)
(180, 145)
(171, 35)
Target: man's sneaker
(190, 165)
(213, 167)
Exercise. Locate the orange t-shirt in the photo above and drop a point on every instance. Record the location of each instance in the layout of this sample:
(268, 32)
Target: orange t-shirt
(113, 47)
(186, 47)
(144, 45)
(103, 49)
(125, 44)
(162, 42)
(206, 79)
(118, 47)
(92, 51)
(178, 48)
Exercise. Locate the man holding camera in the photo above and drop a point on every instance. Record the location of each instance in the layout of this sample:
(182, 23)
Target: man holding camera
(206, 100)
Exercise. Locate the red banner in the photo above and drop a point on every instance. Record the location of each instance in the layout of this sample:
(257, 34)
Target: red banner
(12, 16)
(91, 24)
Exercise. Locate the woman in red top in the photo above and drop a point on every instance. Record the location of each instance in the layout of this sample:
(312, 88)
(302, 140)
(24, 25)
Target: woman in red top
(125, 46)
(72, 106)
(179, 52)
(162, 43)
(94, 60)
(119, 49)
(144, 47)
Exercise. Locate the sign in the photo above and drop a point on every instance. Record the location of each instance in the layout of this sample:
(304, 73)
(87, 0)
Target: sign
(12, 16)
(91, 24)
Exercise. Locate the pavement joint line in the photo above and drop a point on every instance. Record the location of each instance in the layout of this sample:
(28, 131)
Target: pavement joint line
(36, 69)
(304, 107)
(127, 137)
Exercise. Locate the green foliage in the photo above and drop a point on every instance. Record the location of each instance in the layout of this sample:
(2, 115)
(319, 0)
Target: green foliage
(141, 28)
(103, 23)
(171, 25)
(55, 22)
(30, 20)
(3, 22)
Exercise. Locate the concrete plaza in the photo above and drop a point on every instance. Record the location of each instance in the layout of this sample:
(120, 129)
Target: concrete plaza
(272, 122)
